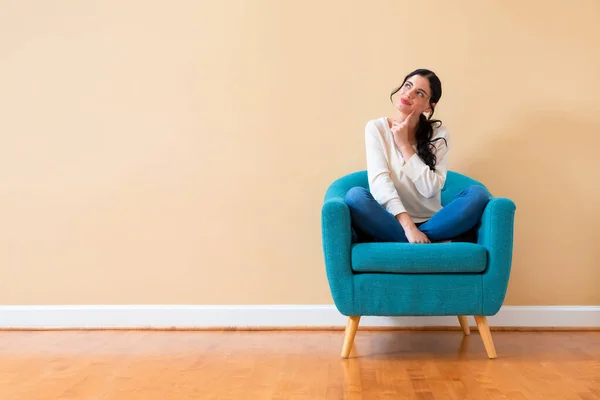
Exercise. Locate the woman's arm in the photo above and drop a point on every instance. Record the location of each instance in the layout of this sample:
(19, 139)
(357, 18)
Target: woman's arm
(413, 234)
(380, 182)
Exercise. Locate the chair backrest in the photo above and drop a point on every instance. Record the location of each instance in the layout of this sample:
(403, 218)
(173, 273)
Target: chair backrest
(455, 183)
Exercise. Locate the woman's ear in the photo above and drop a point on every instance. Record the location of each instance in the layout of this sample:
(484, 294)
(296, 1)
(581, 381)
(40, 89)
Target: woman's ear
(430, 108)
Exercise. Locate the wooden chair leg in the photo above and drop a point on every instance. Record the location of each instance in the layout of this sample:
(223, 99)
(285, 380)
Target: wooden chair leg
(486, 336)
(464, 324)
(351, 328)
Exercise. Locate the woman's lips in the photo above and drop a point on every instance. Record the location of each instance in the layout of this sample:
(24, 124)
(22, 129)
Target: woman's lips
(404, 101)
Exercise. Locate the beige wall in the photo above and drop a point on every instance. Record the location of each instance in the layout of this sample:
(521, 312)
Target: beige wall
(179, 153)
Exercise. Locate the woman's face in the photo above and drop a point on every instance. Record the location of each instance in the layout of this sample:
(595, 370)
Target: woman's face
(414, 95)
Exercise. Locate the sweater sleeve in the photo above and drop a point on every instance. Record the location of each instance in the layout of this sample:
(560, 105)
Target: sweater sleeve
(429, 183)
(380, 182)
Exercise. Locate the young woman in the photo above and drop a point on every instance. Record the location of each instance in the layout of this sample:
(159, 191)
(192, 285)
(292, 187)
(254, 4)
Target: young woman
(407, 158)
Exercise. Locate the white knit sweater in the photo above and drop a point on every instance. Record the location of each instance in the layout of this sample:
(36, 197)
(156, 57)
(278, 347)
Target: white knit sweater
(400, 185)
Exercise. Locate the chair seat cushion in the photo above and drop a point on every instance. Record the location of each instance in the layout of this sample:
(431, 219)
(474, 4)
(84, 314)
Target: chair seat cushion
(408, 258)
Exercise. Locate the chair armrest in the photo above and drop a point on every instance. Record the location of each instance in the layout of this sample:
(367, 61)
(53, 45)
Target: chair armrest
(337, 242)
(496, 233)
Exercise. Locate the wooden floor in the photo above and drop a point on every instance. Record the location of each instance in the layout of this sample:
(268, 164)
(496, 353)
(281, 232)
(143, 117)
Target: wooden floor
(297, 365)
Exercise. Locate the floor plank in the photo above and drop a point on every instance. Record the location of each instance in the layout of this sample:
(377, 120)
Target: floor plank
(115, 365)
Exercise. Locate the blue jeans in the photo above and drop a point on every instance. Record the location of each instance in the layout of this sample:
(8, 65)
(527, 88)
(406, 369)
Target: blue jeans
(371, 222)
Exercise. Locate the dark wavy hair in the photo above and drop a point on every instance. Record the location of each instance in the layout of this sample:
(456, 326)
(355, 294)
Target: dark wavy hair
(426, 125)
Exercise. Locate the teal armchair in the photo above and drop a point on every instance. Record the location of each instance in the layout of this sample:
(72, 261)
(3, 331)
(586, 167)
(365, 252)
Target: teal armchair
(404, 279)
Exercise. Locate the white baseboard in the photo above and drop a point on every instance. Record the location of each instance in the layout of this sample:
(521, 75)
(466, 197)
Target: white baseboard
(256, 316)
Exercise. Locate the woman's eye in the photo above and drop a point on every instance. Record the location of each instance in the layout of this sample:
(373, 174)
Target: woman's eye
(421, 94)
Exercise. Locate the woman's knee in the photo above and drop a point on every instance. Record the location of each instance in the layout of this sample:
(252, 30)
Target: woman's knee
(478, 194)
(356, 196)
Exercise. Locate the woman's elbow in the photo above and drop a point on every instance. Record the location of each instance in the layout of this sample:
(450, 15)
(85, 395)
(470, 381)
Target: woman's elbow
(430, 194)
(431, 191)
